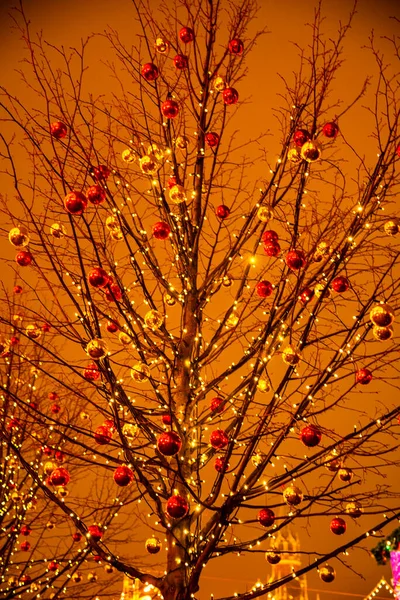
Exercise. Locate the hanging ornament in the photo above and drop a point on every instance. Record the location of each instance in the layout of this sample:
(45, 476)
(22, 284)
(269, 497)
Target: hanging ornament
(181, 62)
(330, 130)
(170, 109)
(320, 289)
(230, 96)
(217, 405)
(96, 194)
(272, 249)
(263, 386)
(91, 373)
(182, 142)
(219, 84)
(264, 288)
(295, 260)
(53, 566)
(58, 231)
(292, 495)
(161, 45)
(128, 155)
(77, 536)
(227, 281)
(58, 130)
(269, 236)
(266, 517)
(77, 577)
(219, 439)
(169, 443)
(60, 477)
(382, 333)
(310, 152)
(332, 463)
(340, 284)
(177, 506)
(19, 237)
(221, 465)
(153, 319)
(112, 223)
(101, 172)
(338, 526)
(232, 320)
(186, 35)
(17, 289)
(306, 295)
(130, 431)
(294, 156)
(391, 227)
(149, 72)
(236, 46)
(222, 211)
(123, 476)
(95, 532)
(273, 557)
(113, 292)
(33, 331)
(140, 372)
(382, 315)
(345, 474)
(166, 419)
(153, 545)
(177, 194)
(310, 435)
(290, 356)
(212, 139)
(25, 530)
(161, 230)
(98, 277)
(264, 214)
(327, 574)
(168, 299)
(112, 326)
(353, 509)
(363, 376)
(257, 459)
(102, 435)
(96, 348)
(300, 137)
(149, 164)
(75, 203)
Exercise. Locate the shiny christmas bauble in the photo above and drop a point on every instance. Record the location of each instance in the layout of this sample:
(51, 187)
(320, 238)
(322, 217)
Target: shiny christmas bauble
(186, 35)
(153, 319)
(91, 373)
(353, 509)
(363, 376)
(170, 109)
(177, 506)
(177, 194)
(266, 517)
(221, 464)
(219, 439)
(263, 385)
(391, 227)
(273, 557)
(95, 532)
(25, 530)
(161, 230)
(230, 96)
(98, 277)
(17, 289)
(338, 526)
(96, 194)
(182, 142)
(327, 574)
(102, 435)
(332, 463)
(128, 155)
(140, 372)
(109, 569)
(166, 419)
(292, 495)
(19, 237)
(300, 137)
(77, 536)
(25, 546)
(216, 405)
(25, 580)
(330, 130)
(294, 156)
(77, 577)
(222, 211)
(295, 260)
(264, 288)
(345, 474)
(149, 72)
(24, 258)
(169, 443)
(153, 545)
(219, 83)
(290, 356)
(55, 408)
(123, 476)
(340, 284)
(58, 130)
(232, 320)
(149, 164)
(320, 289)
(53, 566)
(96, 348)
(264, 214)
(310, 435)
(161, 45)
(112, 326)
(59, 456)
(112, 223)
(113, 292)
(382, 315)
(75, 203)
(310, 152)
(211, 139)
(306, 295)
(236, 46)
(101, 172)
(269, 236)
(272, 248)
(58, 231)
(33, 331)
(181, 62)
(168, 299)
(382, 333)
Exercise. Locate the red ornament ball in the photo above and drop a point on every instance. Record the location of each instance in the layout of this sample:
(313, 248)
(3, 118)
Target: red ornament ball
(306, 295)
(177, 506)
(340, 284)
(101, 173)
(77, 536)
(330, 130)
(53, 396)
(300, 137)
(91, 373)
(96, 194)
(102, 435)
(217, 405)
(24, 258)
(98, 277)
(25, 530)
(161, 230)
(338, 526)
(112, 327)
(186, 35)
(172, 181)
(113, 293)
(55, 408)
(266, 517)
(149, 72)
(123, 476)
(96, 533)
(236, 46)
(59, 456)
(181, 62)
(17, 289)
(58, 130)
(75, 203)
(170, 109)
(25, 546)
(272, 249)
(269, 236)
(53, 566)
(169, 443)
(219, 439)
(295, 260)
(166, 419)
(363, 376)
(222, 211)
(212, 139)
(264, 288)
(310, 435)
(221, 465)
(230, 96)
(60, 477)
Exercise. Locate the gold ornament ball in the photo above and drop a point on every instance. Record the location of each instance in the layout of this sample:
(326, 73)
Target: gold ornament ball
(58, 231)
(382, 333)
(219, 84)
(263, 385)
(227, 281)
(294, 156)
(332, 463)
(177, 194)
(292, 495)
(161, 45)
(310, 151)
(168, 299)
(232, 320)
(19, 237)
(257, 459)
(153, 319)
(109, 569)
(92, 577)
(345, 474)
(272, 556)
(382, 315)
(62, 492)
(182, 142)
(130, 431)
(153, 545)
(327, 574)
(117, 234)
(128, 155)
(149, 164)
(124, 338)
(290, 356)
(50, 525)
(154, 150)
(112, 223)
(83, 415)
(33, 331)
(319, 290)
(353, 509)
(391, 227)
(77, 577)
(264, 214)
(140, 372)
(49, 467)
(97, 348)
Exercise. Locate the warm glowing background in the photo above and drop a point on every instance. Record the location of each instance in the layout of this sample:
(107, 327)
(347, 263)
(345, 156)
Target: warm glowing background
(66, 22)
